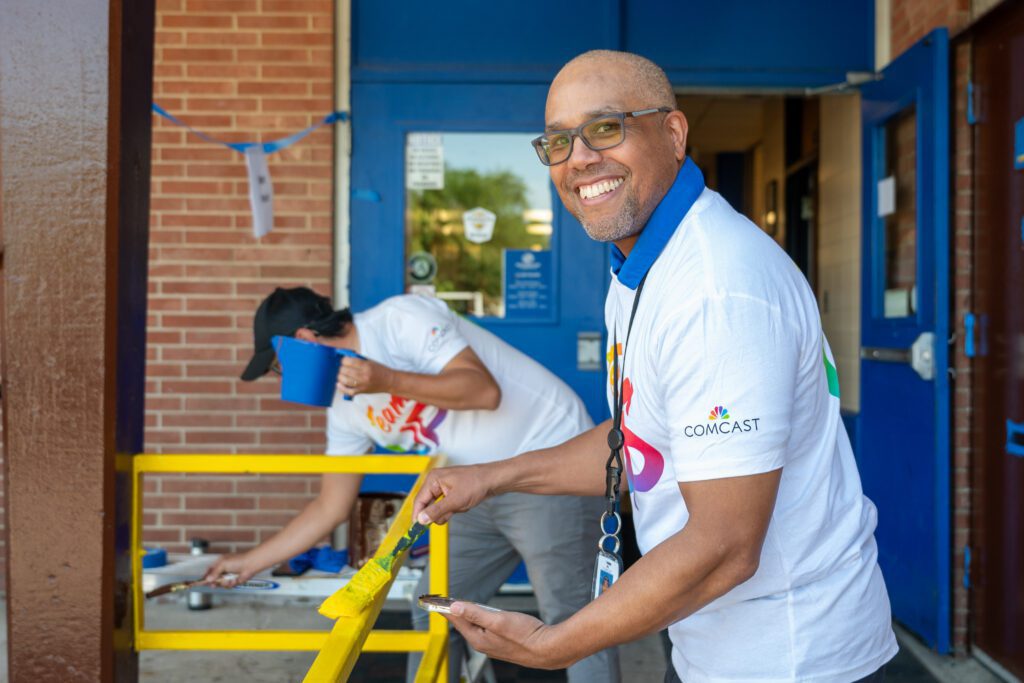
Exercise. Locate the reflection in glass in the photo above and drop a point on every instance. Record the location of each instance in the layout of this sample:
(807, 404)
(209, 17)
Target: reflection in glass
(497, 172)
(901, 220)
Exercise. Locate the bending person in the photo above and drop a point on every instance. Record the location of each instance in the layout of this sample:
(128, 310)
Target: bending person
(437, 383)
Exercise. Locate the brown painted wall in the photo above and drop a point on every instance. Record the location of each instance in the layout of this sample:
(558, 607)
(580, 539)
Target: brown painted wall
(75, 87)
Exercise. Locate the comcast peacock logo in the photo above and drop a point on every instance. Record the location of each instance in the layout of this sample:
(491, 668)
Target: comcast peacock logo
(721, 422)
(719, 413)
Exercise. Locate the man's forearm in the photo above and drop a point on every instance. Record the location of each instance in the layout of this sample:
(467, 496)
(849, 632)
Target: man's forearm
(576, 467)
(456, 389)
(675, 579)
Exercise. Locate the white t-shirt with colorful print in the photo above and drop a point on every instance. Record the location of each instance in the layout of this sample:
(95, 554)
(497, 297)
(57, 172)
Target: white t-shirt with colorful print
(422, 335)
(727, 373)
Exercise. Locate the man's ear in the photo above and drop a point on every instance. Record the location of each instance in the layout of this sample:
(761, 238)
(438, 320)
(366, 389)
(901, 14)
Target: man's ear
(677, 129)
(305, 334)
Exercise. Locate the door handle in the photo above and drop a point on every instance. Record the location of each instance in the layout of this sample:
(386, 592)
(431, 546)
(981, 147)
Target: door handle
(920, 356)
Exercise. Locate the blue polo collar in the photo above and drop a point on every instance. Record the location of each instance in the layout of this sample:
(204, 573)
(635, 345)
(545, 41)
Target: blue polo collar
(667, 216)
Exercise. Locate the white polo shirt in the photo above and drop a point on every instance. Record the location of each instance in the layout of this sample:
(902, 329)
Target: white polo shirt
(727, 373)
(422, 335)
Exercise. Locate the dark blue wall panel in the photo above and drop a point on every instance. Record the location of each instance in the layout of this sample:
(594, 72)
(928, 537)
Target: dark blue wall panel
(711, 43)
(739, 42)
(474, 41)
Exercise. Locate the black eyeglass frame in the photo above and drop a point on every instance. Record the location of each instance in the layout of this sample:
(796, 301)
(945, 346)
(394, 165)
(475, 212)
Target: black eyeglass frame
(577, 132)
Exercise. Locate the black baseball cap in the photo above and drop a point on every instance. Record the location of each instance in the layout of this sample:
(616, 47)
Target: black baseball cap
(283, 313)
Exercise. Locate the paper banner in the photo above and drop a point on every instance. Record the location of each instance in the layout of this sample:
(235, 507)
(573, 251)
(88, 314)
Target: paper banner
(261, 192)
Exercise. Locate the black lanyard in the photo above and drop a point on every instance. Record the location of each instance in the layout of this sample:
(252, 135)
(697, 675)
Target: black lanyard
(616, 439)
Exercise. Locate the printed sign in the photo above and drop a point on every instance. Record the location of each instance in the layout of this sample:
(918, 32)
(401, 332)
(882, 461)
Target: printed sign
(886, 196)
(424, 161)
(527, 281)
(479, 225)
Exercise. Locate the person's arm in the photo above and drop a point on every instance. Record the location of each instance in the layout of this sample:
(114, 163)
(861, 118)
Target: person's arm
(576, 467)
(718, 549)
(464, 383)
(330, 508)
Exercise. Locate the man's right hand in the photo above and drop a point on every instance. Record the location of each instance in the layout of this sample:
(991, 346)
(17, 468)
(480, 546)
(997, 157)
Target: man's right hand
(462, 488)
(229, 571)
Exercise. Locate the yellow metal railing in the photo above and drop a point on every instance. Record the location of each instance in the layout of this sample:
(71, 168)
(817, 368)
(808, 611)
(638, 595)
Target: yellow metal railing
(340, 648)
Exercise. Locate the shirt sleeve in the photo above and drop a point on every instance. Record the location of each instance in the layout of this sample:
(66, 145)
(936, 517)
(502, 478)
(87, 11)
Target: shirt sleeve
(425, 335)
(343, 438)
(729, 372)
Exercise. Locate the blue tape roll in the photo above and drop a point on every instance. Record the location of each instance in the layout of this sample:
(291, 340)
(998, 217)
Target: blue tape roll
(154, 557)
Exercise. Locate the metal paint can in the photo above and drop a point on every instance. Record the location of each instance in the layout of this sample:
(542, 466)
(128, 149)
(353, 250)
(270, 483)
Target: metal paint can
(197, 600)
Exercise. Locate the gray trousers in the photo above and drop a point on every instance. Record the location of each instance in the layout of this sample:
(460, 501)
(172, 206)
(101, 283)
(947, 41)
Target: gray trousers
(557, 538)
(877, 677)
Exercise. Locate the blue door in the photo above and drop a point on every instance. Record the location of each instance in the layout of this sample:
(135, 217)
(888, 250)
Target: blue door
(534, 279)
(904, 450)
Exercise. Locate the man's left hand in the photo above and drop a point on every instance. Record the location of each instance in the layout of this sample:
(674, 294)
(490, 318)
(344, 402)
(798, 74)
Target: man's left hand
(358, 376)
(511, 636)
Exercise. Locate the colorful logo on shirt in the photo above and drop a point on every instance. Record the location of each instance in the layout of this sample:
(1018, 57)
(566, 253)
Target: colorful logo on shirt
(721, 423)
(407, 426)
(437, 336)
(608, 356)
(644, 464)
(719, 413)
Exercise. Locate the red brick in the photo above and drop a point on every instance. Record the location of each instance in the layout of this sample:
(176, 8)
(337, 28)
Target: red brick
(293, 503)
(193, 519)
(263, 519)
(193, 484)
(220, 503)
(282, 485)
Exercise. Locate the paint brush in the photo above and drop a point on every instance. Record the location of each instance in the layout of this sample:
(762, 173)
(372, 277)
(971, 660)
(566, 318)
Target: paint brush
(179, 586)
(359, 593)
(172, 588)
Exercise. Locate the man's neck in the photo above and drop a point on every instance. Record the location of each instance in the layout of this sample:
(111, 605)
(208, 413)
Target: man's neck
(348, 340)
(626, 244)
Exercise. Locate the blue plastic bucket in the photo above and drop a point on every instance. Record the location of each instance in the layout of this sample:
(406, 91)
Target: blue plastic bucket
(309, 371)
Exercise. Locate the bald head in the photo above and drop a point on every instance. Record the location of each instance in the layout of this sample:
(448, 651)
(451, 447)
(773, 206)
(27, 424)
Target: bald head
(631, 75)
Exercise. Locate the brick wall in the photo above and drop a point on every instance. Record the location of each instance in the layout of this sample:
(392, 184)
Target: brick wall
(240, 70)
(912, 19)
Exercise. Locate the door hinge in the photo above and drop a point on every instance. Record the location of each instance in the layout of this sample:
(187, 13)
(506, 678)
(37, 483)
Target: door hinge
(969, 322)
(971, 110)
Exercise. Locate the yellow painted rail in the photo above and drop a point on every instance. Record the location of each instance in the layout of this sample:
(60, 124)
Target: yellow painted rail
(340, 648)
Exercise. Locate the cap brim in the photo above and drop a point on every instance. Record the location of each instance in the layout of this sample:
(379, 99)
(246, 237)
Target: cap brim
(259, 365)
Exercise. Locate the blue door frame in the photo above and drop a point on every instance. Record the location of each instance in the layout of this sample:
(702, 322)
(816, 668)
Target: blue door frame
(904, 431)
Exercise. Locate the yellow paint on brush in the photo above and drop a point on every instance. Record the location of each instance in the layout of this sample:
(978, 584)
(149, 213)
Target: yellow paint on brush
(358, 594)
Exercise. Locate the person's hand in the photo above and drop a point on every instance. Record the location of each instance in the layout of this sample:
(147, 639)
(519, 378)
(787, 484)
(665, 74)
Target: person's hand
(462, 488)
(229, 571)
(358, 376)
(511, 636)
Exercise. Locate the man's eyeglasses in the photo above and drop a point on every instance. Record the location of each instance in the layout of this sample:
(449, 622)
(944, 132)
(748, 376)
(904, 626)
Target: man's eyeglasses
(600, 133)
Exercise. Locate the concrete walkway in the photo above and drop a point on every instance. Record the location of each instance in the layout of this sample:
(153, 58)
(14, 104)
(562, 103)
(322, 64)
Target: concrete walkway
(643, 661)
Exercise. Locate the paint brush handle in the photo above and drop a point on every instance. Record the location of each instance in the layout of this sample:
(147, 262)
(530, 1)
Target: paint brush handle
(414, 532)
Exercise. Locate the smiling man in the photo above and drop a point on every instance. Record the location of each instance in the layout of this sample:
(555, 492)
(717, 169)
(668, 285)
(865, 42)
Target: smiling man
(759, 554)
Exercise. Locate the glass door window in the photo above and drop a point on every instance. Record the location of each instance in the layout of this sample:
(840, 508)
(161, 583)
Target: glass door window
(478, 224)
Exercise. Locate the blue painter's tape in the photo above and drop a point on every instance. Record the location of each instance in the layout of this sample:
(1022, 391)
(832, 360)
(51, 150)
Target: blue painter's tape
(366, 196)
(969, 335)
(1015, 438)
(1018, 144)
(967, 567)
(241, 147)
